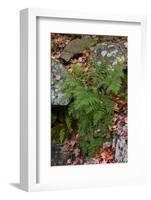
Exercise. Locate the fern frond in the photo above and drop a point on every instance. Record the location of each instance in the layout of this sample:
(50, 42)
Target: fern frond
(113, 79)
(91, 107)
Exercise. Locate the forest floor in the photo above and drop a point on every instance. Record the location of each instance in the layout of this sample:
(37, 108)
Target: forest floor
(106, 153)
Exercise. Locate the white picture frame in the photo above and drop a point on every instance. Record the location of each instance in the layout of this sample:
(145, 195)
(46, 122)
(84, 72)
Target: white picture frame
(30, 168)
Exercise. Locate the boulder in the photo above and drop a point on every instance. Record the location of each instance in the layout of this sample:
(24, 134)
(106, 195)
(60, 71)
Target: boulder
(121, 154)
(76, 46)
(57, 70)
(110, 51)
(120, 142)
(57, 155)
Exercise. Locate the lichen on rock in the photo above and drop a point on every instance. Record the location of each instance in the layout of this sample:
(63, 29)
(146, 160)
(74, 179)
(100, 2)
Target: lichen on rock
(120, 142)
(57, 97)
(112, 52)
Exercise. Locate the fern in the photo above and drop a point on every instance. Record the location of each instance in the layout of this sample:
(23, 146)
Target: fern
(92, 106)
(113, 79)
(97, 116)
(62, 135)
(68, 121)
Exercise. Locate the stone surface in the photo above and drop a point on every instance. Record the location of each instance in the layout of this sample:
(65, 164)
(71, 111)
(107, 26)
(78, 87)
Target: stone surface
(56, 78)
(112, 52)
(57, 155)
(121, 150)
(120, 142)
(76, 46)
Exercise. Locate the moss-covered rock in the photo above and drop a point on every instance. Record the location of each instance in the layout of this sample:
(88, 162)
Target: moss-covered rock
(76, 46)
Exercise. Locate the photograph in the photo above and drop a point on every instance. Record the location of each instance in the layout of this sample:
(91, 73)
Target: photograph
(89, 99)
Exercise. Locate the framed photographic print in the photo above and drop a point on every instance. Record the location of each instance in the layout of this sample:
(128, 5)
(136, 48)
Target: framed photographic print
(82, 77)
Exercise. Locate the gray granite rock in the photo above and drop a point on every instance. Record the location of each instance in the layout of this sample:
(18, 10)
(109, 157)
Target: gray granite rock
(112, 52)
(120, 142)
(57, 70)
(121, 154)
